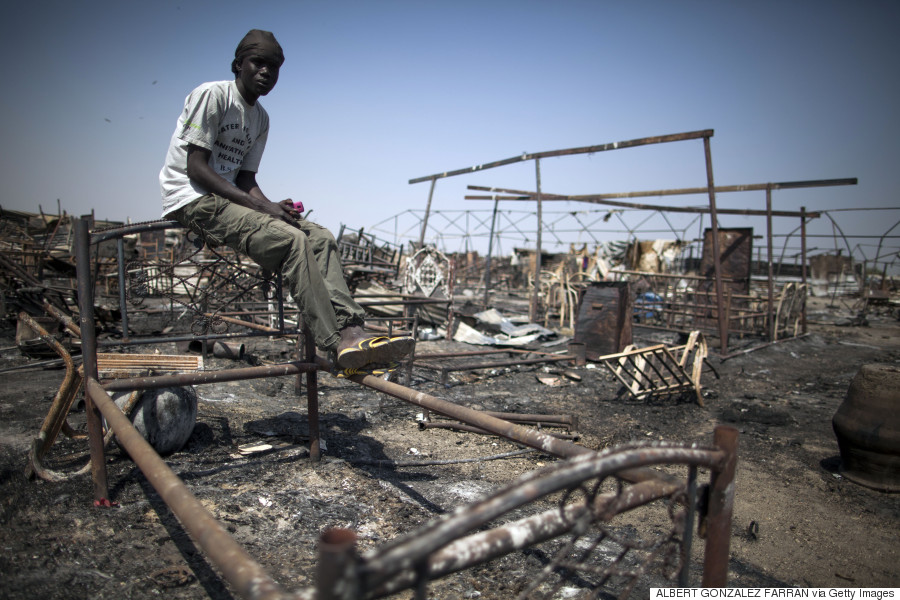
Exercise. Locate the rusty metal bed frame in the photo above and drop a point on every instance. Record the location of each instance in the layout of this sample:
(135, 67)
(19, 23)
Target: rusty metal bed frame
(578, 496)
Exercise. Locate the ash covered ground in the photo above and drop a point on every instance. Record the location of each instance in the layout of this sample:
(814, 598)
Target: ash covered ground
(797, 521)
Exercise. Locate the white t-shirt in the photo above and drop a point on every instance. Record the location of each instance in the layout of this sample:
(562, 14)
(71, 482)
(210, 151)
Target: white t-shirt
(215, 117)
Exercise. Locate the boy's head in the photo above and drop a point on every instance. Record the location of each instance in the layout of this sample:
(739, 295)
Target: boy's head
(259, 43)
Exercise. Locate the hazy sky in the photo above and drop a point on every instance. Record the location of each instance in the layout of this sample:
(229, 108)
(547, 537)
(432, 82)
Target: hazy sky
(373, 94)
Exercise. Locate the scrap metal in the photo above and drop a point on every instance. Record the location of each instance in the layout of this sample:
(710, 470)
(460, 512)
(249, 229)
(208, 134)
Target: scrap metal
(711, 190)
(129, 365)
(365, 257)
(660, 370)
(339, 578)
(435, 546)
(59, 408)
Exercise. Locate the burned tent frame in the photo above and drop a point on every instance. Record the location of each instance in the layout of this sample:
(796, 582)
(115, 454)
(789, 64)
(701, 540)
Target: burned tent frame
(705, 135)
(711, 189)
(769, 213)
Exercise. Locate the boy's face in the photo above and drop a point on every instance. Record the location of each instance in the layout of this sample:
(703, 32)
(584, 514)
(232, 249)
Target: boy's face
(257, 75)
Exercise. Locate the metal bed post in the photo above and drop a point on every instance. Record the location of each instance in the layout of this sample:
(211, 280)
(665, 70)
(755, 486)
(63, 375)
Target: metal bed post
(89, 356)
(720, 507)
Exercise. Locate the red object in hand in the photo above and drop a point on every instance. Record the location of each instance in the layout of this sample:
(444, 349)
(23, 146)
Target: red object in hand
(298, 206)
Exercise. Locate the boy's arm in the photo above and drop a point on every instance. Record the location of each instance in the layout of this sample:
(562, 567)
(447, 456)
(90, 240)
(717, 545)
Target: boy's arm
(245, 191)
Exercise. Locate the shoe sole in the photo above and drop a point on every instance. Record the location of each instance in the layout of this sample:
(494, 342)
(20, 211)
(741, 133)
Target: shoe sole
(379, 350)
(376, 370)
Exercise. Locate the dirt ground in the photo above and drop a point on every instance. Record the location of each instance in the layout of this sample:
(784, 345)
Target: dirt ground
(797, 521)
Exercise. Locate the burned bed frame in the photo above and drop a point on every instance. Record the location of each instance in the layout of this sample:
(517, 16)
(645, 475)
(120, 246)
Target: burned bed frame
(569, 506)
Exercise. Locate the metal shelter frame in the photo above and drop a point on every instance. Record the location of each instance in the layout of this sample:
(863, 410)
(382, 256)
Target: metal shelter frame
(461, 230)
(607, 199)
(768, 213)
(705, 135)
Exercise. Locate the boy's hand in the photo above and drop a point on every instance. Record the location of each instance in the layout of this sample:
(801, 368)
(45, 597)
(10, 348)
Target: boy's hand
(291, 208)
(277, 210)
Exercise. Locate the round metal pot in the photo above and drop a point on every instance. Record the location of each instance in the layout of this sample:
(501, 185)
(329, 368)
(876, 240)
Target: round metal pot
(867, 426)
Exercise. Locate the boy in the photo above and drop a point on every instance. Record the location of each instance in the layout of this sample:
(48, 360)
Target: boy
(208, 184)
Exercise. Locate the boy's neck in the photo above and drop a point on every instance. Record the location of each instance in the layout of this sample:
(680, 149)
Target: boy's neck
(248, 96)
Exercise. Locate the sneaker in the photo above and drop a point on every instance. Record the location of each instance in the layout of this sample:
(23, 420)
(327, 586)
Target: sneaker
(375, 350)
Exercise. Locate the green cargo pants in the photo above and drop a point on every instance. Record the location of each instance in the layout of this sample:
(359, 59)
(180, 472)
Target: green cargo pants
(306, 256)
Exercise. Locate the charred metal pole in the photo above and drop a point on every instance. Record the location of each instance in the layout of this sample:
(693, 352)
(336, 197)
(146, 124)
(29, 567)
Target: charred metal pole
(89, 357)
(684, 574)
(511, 431)
(717, 257)
(279, 292)
(238, 567)
(487, 262)
(533, 305)
(120, 250)
(568, 420)
(473, 429)
(427, 212)
(770, 312)
(721, 505)
(182, 379)
(603, 198)
(312, 395)
(659, 139)
(803, 268)
(337, 570)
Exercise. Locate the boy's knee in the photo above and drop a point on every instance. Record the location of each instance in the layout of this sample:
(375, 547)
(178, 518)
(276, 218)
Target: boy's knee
(320, 237)
(272, 244)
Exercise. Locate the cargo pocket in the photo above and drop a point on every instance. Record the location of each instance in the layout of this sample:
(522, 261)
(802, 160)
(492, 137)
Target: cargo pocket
(202, 217)
(269, 244)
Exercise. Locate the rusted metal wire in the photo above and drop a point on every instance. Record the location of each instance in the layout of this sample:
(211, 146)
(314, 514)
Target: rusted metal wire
(222, 282)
